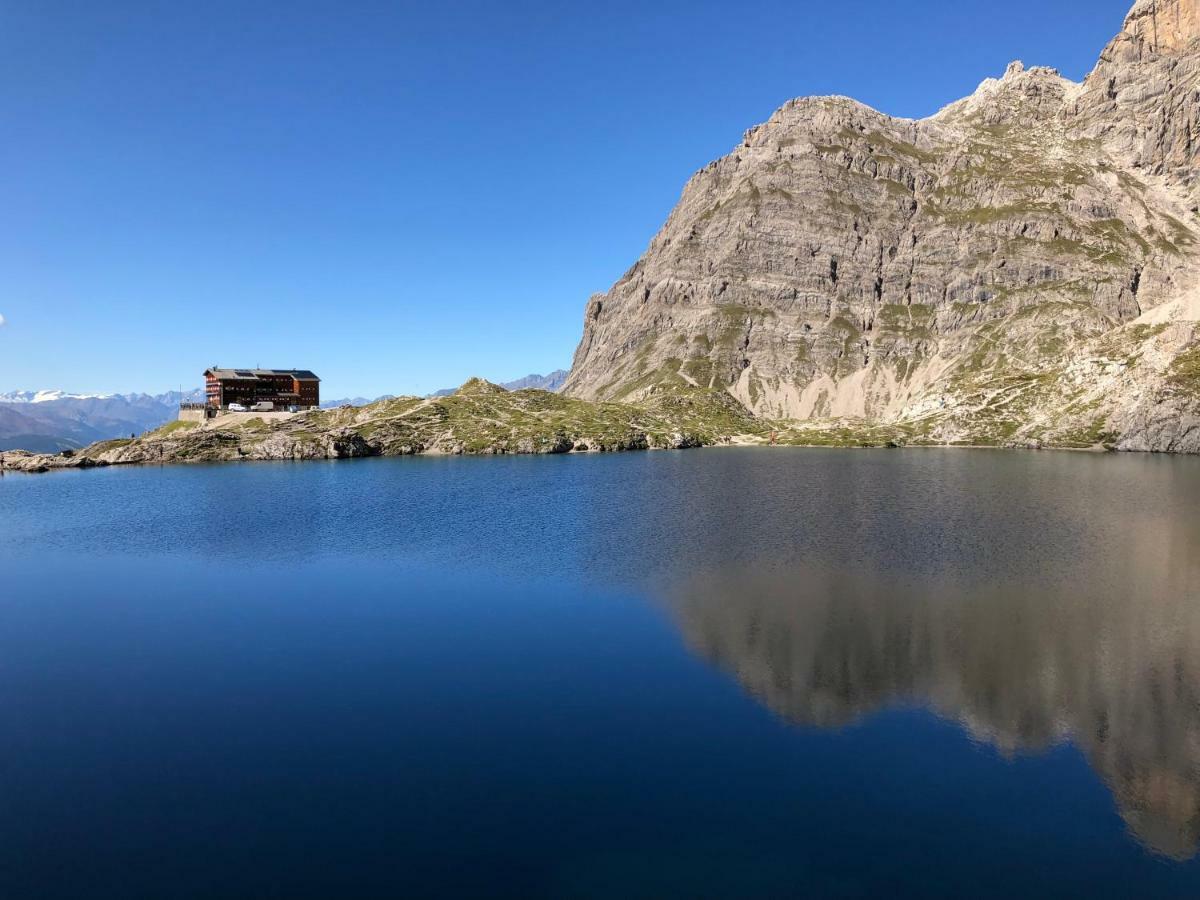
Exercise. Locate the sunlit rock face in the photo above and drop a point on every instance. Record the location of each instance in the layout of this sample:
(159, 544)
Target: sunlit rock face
(1020, 268)
(1109, 661)
(1163, 26)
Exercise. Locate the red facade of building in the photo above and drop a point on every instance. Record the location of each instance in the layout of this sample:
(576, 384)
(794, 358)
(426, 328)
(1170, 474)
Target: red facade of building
(283, 387)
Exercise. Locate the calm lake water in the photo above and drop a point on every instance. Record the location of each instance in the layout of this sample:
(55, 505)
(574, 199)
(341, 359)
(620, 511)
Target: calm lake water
(719, 673)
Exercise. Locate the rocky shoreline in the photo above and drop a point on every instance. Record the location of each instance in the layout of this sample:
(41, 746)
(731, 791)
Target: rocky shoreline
(1020, 270)
(479, 419)
(484, 419)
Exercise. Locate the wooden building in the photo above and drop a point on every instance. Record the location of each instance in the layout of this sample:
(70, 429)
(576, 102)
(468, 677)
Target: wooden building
(283, 387)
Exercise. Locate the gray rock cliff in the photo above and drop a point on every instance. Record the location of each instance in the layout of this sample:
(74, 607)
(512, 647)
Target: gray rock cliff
(1019, 269)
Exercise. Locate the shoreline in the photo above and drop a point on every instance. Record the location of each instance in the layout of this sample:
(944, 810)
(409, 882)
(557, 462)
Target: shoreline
(482, 419)
(40, 464)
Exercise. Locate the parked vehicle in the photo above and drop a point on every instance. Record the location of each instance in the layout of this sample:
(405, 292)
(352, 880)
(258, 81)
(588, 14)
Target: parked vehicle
(263, 406)
(237, 407)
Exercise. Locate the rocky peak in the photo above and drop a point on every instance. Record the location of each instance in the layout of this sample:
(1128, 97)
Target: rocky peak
(958, 274)
(1140, 98)
(1020, 95)
(477, 386)
(1163, 26)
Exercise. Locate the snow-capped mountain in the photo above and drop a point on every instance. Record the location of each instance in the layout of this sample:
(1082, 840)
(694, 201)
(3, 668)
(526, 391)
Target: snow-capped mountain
(53, 420)
(49, 396)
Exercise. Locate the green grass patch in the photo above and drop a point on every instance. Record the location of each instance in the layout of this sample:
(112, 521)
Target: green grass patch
(172, 427)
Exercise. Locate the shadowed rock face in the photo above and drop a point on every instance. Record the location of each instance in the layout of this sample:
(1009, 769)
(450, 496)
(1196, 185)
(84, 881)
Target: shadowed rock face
(1019, 268)
(1109, 662)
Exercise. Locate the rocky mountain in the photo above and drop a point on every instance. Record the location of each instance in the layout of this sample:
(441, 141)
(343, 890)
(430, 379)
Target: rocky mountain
(48, 396)
(354, 401)
(49, 421)
(1022, 268)
(479, 418)
(552, 382)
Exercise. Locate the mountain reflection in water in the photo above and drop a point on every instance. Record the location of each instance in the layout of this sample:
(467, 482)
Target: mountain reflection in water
(452, 660)
(1108, 659)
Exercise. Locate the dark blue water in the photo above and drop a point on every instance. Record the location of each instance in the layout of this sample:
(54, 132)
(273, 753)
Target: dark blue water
(724, 673)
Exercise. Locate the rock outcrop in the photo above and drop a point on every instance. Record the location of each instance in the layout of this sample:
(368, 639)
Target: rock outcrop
(1162, 26)
(1020, 269)
(480, 418)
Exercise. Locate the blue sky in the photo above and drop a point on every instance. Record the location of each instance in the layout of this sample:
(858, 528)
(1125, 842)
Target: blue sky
(400, 195)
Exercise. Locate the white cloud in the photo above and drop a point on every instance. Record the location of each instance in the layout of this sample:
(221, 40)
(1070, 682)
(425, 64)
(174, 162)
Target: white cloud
(1, 321)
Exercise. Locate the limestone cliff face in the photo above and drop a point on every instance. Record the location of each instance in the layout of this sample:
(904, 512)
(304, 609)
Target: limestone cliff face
(1021, 268)
(1141, 99)
(1163, 26)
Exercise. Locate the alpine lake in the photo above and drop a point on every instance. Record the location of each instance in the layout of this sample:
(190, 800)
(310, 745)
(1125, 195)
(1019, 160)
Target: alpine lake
(756, 672)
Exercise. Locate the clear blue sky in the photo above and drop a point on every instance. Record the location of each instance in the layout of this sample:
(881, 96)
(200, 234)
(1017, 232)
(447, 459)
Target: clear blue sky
(399, 195)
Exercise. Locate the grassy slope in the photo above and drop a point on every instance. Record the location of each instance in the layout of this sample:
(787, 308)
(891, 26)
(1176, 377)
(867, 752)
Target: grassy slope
(480, 418)
(991, 392)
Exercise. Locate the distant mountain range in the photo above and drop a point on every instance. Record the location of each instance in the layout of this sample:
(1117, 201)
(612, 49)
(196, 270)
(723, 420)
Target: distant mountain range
(49, 396)
(354, 401)
(551, 382)
(49, 421)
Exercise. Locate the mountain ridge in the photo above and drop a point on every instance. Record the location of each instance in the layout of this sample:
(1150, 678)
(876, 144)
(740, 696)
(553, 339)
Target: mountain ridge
(552, 382)
(1018, 269)
(49, 421)
(52, 421)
